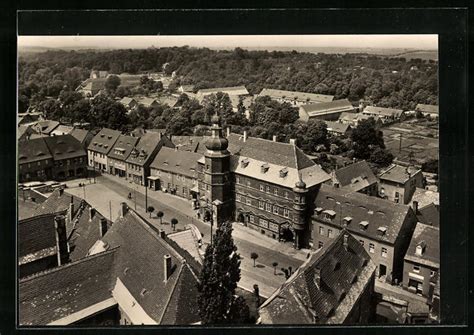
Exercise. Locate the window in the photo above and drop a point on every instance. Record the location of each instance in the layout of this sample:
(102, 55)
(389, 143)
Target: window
(361, 242)
(397, 197)
(248, 183)
(269, 207)
(321, 230)
(238, 197)
(249, 201)
(432, 273)
(261, 187)
(275, 209)
(384, 252)
(286, 212)
(275, 191)
(252, 219)
(261, 205)
(264, 223)
(330, 233)
(237, 180)
(371, 248)
(267, 189)
(286, 194)
(320, 244)
(416, 268)
(39, 163)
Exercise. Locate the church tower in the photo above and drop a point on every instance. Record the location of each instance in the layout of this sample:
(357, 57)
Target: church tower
(217, 174)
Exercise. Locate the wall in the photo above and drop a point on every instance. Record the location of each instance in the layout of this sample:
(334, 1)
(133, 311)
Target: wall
(402, 242)
(99, 159)
(170, 180)
(425, 272)
(70, 168)
(38, 170)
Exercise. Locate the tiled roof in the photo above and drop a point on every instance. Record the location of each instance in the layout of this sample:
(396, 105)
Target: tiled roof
(140, 268)
(294, 95)
(176, 161)
(168, 100)
(382, 111)
(142, 153)
(62, 130)
(337, 127)
(45, 126)
(57, 293)
(343, 276)
(432, 109)
(147, 102)
(33, 150)
(126, 100)
(104, 140)
(428, 237)
(429, 215)
(123, 146)
(35, 234)
(65, 147)
(361, 207)
(321, 108)
(425, 197)
(80, 135)
(348, 117)
(187, 88)
(188, 241)
(399, 174)
(354, 175)
(278, 156)
(190, 143)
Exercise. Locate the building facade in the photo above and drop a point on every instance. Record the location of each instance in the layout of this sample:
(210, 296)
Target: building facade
(118, 155)
(99, 148)
(398, 183)
(69, 157)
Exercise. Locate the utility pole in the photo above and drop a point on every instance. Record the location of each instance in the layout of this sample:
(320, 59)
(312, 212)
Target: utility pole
(135, 196)
(400, 145)
(110, 210)
(146, 198)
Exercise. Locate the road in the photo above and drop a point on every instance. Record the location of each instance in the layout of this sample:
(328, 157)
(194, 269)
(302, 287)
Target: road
(108, 192)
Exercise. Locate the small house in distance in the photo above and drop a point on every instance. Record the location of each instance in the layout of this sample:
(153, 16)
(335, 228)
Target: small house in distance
(231, 91)
(398, 183)
(338, 129)
(295, 98)
(356, 177)
(129, 103)
(334, 286)
(325, 110)
(428, 110)
(386, 115)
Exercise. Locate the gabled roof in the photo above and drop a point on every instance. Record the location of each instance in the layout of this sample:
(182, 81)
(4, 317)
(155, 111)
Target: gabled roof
(45, 126)
(62, 291)
(176, 161)
(425, 197)
(337, 127)
(126, 100)
(188, 240)
(140, 268)
(294, 95)
(64, 147)
(232, 90)
(382, 111)
(322, 108)
(323, 290)
(62, 130)
(361, 207)
(168, 100)
(428, 237)
(36, 234)
(104, 140)
(92, 84)
(81, 135)
(399, 174)
(33, 150)
(432, 109)
(348, 117)
(190, 143)
(58, 202)
(122, 147)
(141, 154)
(147, 102)
(429, 215)
(356, 176)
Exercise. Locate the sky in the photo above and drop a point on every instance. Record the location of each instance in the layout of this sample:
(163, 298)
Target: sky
(424, 42)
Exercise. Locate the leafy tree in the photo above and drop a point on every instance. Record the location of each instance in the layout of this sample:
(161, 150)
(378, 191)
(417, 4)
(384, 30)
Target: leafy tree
(254, 256)
(218, 280)
(430, 166)
(381, 157)
(150, 210)
(274, 264)
(174, 222)
(23, 103)
(366, 137)
(112, 82)
(106, 112)
(160, 215)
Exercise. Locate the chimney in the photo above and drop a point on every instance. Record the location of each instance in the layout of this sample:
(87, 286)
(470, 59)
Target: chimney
(317, 277)
(162, 234)
(275, 138)
(123, 209)
(228, 131)
(245, 135)
(292, 141)
(346, 241)
(71, 209)
(91, 213)
(167, 267)
(61, 191)
(61, 239)
(102, 227)
(415, 206)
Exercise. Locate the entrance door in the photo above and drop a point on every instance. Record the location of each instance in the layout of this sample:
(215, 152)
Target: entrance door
(382, 270)
(416, 286)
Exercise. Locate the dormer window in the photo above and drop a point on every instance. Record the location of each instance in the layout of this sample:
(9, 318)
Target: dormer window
(244, 163)
(264, 168)
(283, 173)
(347, 220)
(363, 225)
(318, 210)
(329, 214)
(420, 248)
(381, 230)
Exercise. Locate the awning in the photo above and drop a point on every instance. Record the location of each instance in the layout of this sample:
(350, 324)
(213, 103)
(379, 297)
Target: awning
(195, 189)
(153, 178)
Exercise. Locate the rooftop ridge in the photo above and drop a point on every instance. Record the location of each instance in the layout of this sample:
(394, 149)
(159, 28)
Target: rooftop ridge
(32, 218)
(175, 284)
(74, 263)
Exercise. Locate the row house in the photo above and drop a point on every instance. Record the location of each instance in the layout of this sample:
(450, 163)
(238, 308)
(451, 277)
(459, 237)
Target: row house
(334, 286)
(175, 171)
(99, 148)
(421, 268)
(398, 183)
(35, 161)
(142, 155)
(295, 98)
(117, 157)
(266, 185)
(382, 227)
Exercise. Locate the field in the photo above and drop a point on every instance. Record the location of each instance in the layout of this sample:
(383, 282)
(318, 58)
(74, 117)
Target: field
(419, 141)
